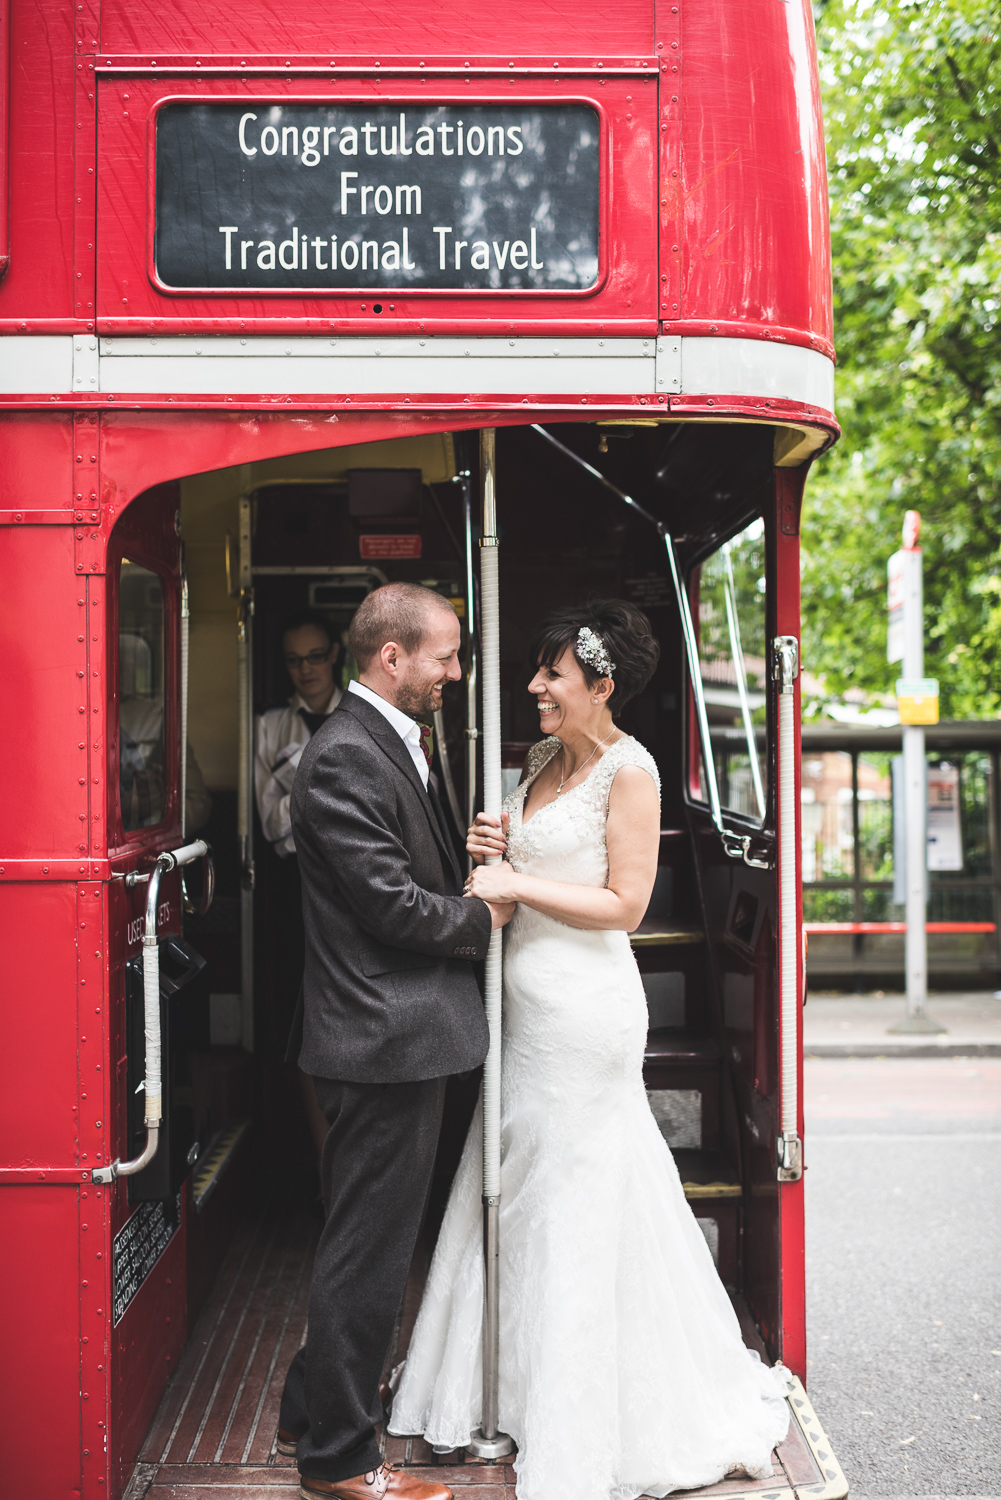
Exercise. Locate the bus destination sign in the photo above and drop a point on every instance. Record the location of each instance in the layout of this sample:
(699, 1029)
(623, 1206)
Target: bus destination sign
(312, 197)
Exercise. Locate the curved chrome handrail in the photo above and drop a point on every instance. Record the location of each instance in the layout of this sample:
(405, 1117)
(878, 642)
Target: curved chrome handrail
(169, 860)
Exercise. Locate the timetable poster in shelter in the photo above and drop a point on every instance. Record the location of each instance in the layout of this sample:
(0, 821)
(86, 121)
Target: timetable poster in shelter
(945, 839)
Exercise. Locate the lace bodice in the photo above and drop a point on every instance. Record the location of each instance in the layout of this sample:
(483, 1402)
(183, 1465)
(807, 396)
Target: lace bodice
(565, 839)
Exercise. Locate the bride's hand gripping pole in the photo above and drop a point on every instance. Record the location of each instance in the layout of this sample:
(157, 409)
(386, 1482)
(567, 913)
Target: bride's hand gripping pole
(488, 1441)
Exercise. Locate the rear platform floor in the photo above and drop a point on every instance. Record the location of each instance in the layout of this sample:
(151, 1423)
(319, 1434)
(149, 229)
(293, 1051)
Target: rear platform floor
(213, 1437)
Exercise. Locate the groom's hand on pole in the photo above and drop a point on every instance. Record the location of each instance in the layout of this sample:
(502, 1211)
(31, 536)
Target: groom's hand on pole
(500, 915)
(487, 836)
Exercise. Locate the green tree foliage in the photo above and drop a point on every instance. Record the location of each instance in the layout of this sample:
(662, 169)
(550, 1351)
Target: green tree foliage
(913, 114)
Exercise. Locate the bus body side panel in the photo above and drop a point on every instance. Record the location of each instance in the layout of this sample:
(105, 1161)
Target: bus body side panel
(40, 1366)
(792, 1270)
(756, 241)
(558, 29)
(47, 95)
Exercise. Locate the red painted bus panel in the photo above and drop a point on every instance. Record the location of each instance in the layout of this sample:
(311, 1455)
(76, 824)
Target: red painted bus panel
(47, 684)
(449, 28)
(128, 301)
(789, 488)
(728, 90)
(46, 93)
(754, 176)
(38, 1125)
(40, 1373)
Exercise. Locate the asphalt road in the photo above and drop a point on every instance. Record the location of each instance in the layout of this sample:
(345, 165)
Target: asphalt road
(903, 1202)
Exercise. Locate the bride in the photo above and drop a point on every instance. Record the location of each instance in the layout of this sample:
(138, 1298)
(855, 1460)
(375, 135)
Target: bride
(622, 1367)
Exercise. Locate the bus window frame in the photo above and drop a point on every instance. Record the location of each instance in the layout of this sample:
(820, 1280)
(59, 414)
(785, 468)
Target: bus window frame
(763, 829)
(120, 838)
(405, 96)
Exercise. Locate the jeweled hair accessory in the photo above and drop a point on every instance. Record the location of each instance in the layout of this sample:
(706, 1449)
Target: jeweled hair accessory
(591, 648)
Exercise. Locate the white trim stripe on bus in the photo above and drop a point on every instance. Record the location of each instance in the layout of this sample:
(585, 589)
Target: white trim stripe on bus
(188, 365)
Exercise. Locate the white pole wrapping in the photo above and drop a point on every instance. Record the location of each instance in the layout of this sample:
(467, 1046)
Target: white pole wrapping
(151, 1008)
(490, 668)
(790, 1152)
(488, 1441)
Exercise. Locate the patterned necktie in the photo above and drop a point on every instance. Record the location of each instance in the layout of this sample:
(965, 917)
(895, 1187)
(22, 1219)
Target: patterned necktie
(427, 741)
(312, 721)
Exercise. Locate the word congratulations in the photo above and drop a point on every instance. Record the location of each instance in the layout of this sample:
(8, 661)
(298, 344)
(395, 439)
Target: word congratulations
(471, 140)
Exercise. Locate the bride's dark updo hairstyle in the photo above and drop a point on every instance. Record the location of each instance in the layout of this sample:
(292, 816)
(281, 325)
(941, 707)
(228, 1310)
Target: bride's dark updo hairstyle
(625, 633)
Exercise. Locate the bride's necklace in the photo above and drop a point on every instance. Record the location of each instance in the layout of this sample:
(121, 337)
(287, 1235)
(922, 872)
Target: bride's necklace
(563, 760)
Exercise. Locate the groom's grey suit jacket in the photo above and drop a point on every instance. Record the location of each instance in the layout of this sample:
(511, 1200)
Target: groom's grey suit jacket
(389, 992)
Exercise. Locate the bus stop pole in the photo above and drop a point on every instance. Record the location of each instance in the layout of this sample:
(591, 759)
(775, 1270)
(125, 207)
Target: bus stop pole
(916, 1017)
(488, 1441)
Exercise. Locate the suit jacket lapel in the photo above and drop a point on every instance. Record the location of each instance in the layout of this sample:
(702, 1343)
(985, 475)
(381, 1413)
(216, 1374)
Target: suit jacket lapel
(386, 736)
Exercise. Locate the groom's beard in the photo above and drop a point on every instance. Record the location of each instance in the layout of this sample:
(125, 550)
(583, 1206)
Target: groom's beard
(417, 700)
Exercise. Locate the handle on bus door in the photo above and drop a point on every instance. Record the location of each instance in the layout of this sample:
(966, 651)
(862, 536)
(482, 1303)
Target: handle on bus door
(169, 860)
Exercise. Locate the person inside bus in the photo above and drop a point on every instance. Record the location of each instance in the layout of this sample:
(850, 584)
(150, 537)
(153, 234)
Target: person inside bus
(622, 1367)
(310, 651)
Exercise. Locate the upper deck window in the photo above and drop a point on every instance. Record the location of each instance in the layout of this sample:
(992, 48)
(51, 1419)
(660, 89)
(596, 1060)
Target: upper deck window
(141, 753)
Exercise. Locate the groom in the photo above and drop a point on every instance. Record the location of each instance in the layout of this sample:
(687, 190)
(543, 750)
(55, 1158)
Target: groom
(391, 1009)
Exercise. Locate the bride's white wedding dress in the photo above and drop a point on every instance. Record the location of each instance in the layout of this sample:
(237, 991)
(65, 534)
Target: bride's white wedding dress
(622, 1367)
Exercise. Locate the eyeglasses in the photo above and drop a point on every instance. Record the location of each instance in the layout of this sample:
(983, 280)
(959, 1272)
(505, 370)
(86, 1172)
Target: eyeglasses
(314, 659)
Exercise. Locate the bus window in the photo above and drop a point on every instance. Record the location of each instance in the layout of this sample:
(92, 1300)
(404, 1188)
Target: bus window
(733, 658)
(141, 756)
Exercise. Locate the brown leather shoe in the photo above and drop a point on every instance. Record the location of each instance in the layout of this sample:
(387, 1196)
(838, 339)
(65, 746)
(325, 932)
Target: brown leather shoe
(387, 1483)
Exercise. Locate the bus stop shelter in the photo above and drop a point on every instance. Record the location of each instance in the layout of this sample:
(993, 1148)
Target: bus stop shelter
(851, 851)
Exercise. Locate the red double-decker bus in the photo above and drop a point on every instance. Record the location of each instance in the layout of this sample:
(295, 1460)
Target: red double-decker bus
(266, 278)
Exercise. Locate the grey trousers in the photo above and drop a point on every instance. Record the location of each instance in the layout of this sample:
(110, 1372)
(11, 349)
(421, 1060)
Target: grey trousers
(376, 1171)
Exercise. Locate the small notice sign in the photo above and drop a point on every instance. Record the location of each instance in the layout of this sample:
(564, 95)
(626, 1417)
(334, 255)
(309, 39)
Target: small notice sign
(917, 700)
(279, 197)
(407, 545)
(945, 836)
(651, 592)
(895, 607)
(138, 1246)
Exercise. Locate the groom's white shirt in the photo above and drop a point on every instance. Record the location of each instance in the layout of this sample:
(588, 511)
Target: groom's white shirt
(408, 729)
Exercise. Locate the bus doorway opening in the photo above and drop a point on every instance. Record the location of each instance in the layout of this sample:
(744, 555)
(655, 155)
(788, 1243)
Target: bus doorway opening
(304, 538)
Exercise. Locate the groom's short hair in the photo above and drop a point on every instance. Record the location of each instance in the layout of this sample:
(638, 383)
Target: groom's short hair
(395, 612)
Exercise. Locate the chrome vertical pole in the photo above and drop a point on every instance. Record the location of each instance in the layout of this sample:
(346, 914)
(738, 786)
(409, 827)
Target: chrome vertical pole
(473, 677)
(488, 1441)
(245, 773)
